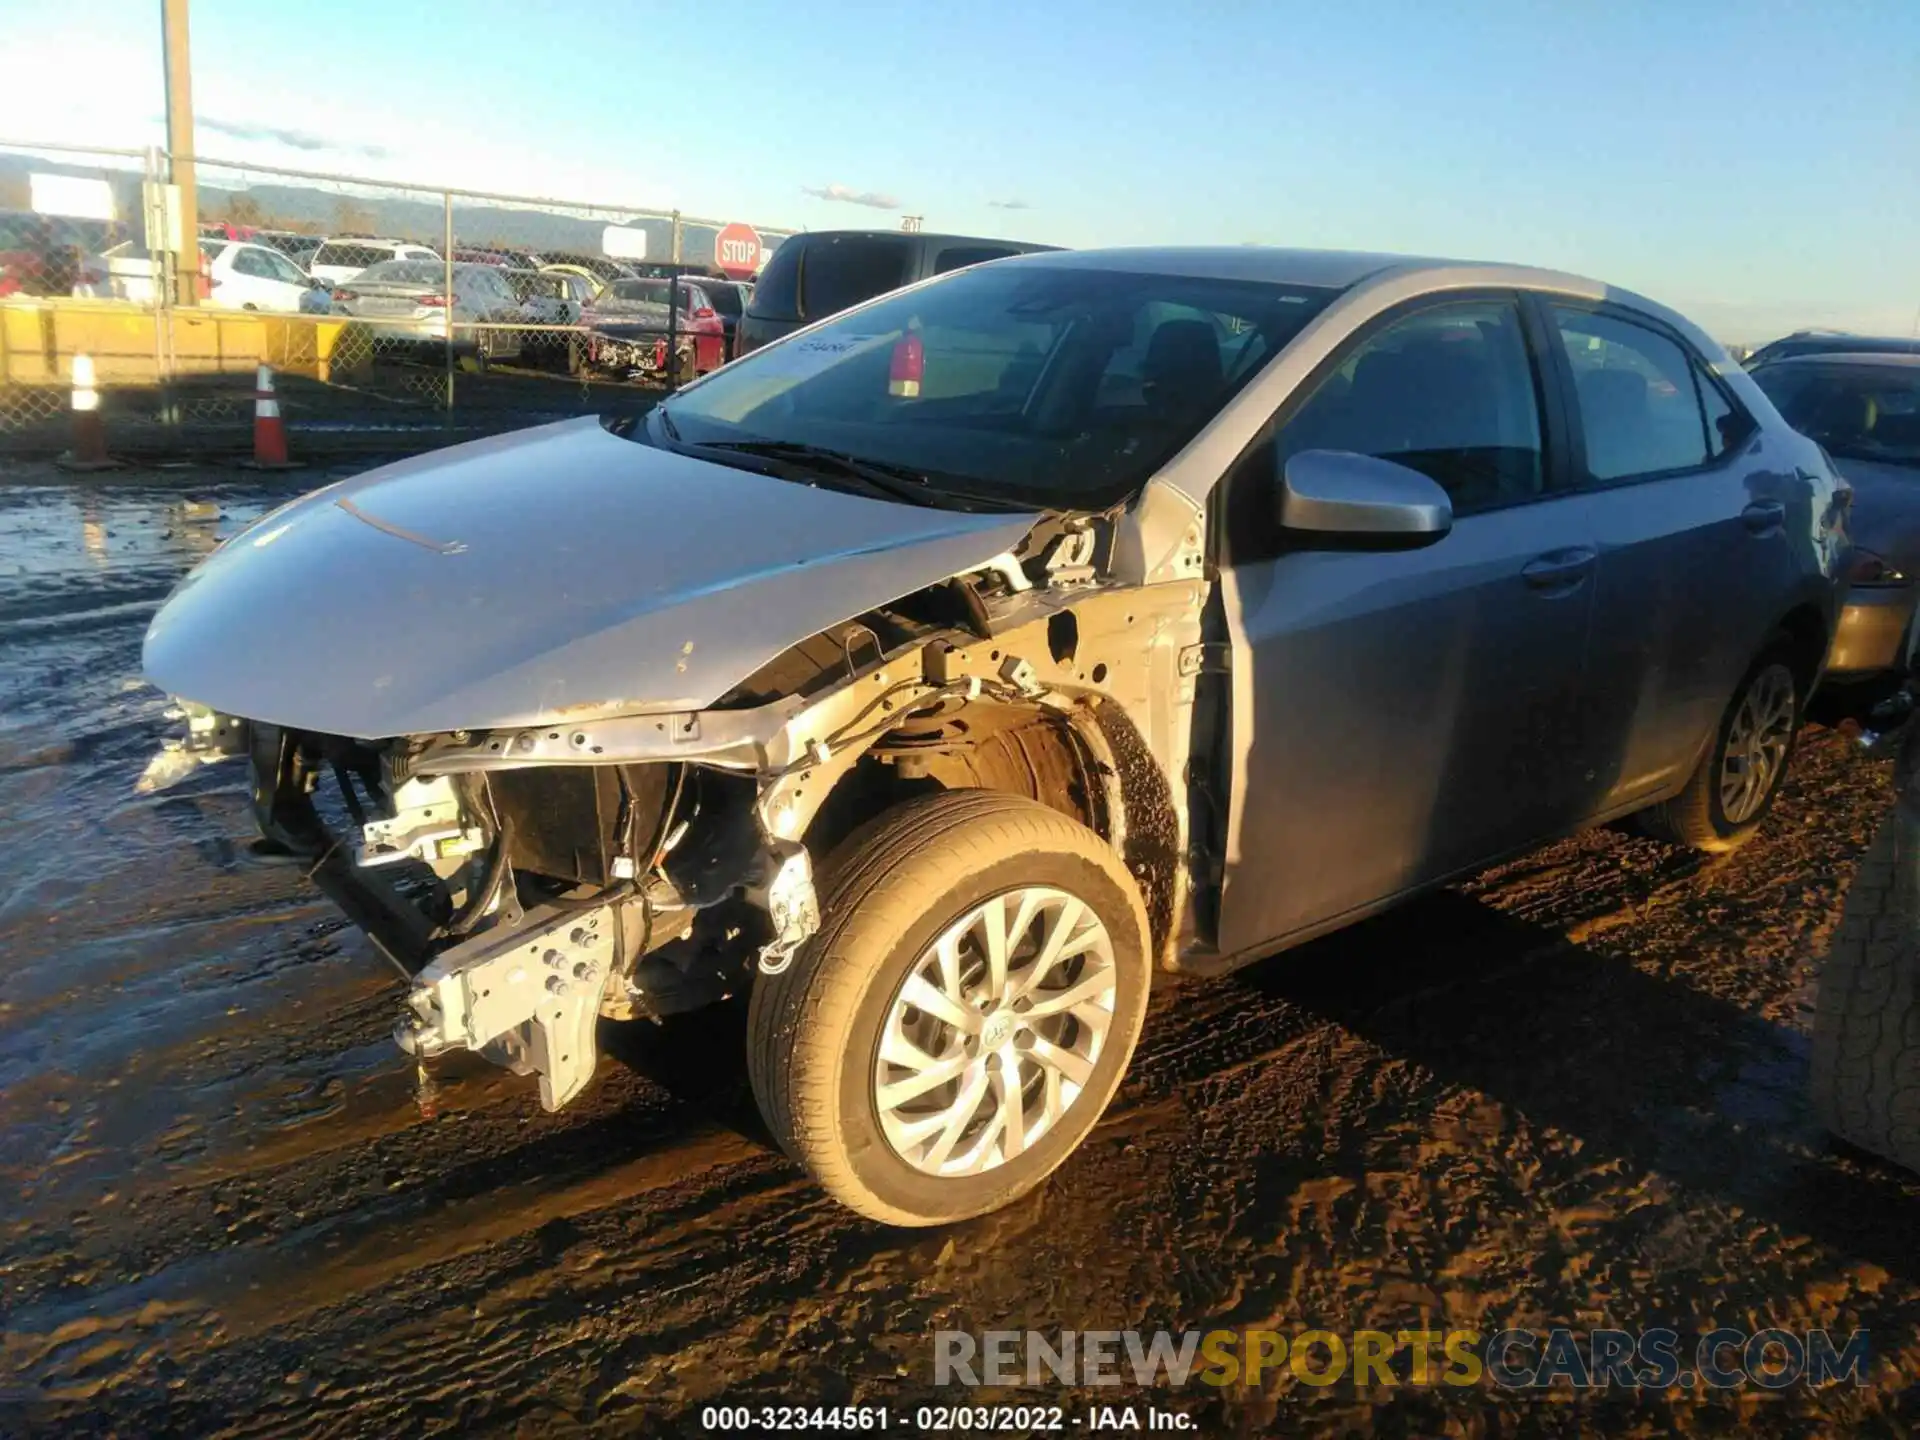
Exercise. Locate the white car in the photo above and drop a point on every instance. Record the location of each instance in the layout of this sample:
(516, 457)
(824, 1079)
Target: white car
(341, 259)
(256, 277)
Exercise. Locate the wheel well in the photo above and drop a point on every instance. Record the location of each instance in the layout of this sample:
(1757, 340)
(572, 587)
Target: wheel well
(1016, 749)
(1804, 630)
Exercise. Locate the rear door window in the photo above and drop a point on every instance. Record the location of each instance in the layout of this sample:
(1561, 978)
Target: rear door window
(249, 261)
(958, 257)
(1638, 396)
(776, 295)
(840, 271)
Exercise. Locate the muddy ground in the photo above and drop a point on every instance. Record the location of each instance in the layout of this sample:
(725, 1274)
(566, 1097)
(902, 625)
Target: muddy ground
(1570, 1092)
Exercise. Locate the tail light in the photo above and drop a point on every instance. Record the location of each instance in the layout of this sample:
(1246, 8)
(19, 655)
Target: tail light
(659, 354)
(432, 302)
(1867, 568)
(704, 313)
(346, 295)
(908, 366)
(203, 282)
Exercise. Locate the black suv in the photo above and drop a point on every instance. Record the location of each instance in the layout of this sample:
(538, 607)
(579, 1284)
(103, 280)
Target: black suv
(822, 272)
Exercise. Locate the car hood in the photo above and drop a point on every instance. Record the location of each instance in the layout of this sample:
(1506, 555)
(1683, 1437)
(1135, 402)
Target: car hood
(1885, 514)
(556, 572)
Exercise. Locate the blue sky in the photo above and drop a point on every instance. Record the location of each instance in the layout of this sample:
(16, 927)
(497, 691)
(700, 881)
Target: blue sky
(1757, 165)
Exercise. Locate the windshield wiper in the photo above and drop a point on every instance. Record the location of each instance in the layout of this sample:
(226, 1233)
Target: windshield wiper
(901, 482)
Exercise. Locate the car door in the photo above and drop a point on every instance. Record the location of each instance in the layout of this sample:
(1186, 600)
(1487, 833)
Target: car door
(1692, 522)
(1398, 715)
(289, 286)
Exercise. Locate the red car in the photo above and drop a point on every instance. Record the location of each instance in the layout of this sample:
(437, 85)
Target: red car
(629, 329)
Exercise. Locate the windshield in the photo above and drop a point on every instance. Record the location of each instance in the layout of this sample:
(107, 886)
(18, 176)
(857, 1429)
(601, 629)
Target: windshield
(634, 292)
(1042, 385)
(1864, 412)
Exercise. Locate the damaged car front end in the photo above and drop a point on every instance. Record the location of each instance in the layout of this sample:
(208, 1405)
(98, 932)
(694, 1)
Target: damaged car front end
(567, 721)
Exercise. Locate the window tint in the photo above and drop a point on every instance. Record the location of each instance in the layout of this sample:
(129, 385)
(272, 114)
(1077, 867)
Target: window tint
(248, 261)
(1448, 392)
(958, 257)
(1726, 426)
(843, 270)
(776, 296)
(1639, 409)
(1008, 363)
(360, 255)
(1858, 412)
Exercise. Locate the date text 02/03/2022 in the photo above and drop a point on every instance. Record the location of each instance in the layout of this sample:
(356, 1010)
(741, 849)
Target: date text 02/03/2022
(942, 1419)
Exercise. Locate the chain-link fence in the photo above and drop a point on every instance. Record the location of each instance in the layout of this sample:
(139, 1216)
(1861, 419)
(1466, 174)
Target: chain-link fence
(379, 305)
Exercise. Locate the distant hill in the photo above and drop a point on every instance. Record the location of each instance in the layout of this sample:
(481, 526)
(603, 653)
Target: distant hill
(305, 207)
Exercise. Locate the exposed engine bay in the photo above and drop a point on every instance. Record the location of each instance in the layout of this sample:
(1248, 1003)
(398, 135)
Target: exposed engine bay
(529, 881)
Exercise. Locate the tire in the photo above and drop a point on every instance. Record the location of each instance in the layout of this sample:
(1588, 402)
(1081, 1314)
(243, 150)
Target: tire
(1698, 816)
(1866, 1024)
(815, 1032)
(477, 361)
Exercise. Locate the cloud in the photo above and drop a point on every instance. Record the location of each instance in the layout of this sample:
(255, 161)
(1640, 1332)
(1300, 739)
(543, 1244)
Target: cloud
(846, 195)
(1008, 205)
(284, 135)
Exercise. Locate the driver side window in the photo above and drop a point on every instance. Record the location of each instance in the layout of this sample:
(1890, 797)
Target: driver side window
(1449, 392)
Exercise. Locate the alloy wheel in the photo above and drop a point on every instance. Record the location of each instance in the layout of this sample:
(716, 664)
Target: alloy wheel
(1757, 744)
(994, 1032)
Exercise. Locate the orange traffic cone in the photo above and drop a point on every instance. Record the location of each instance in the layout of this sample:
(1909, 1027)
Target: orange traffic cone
(89, 450)
(269, 430)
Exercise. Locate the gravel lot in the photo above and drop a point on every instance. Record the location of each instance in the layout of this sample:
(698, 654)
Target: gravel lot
(1570, 1092)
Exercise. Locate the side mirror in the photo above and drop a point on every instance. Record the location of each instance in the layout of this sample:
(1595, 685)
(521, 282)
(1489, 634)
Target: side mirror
(1360, 498)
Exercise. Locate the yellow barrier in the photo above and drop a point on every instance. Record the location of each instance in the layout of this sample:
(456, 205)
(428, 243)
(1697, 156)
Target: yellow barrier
(39, 338)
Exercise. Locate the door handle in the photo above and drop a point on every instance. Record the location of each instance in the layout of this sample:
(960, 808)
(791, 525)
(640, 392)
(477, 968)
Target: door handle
(1764, 515)
(1559, 569)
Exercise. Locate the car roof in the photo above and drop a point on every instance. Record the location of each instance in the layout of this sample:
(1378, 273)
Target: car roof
(1878, 359)
(1328, 269)
(936, 237)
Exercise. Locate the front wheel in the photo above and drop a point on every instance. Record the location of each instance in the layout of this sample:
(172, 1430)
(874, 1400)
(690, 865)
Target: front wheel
(1733, 788)
(963, 1016)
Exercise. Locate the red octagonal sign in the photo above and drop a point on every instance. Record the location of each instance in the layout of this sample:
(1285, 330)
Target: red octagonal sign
(736, 250)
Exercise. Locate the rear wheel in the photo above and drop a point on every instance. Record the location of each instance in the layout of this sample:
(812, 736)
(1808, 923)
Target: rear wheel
(1866, 1025)
(965, 1013)
(1733, 788)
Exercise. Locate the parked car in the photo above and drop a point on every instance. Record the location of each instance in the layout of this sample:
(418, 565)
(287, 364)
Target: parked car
(296, 247)
(52, 254)
(341, 259)
(598, 266)
(405, 308)
(128, 271)
(1831, 342)
(629, 330)
(1864, 410)
(815, 275)
(257, 277)
(499, 255)
(729, 299)
(595, 283)
(548, 299)
(939, 674)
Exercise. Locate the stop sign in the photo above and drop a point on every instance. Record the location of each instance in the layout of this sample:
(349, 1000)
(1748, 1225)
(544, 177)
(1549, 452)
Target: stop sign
(736, 250)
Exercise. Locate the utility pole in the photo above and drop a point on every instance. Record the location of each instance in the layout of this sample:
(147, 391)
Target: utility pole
(173, 21)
